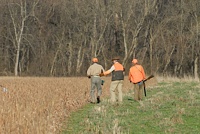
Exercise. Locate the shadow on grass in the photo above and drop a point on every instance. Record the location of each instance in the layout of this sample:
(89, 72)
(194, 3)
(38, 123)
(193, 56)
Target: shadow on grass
(130, 99)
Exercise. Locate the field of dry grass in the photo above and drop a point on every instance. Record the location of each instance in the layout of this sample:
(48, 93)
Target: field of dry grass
(36, 105)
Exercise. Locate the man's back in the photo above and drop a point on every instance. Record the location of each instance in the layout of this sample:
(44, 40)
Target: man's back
(94, 70)
(136, 73)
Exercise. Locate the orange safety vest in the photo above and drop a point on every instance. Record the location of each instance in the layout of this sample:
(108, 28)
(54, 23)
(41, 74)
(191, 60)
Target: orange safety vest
(136, 74)
(117, 74)
(118, 67)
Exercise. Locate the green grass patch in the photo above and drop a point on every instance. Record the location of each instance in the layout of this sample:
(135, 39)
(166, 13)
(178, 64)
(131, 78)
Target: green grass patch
(168, 108)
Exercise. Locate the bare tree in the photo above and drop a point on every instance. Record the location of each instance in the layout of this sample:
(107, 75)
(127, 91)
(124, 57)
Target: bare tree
(194, 12)
(19, 14)
(59, 38)
(132, 22)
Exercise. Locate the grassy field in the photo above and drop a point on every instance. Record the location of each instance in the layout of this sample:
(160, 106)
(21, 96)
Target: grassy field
(47, 105)
(173, 106)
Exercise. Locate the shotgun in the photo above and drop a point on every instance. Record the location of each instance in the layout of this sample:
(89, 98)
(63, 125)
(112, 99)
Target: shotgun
(151, 76)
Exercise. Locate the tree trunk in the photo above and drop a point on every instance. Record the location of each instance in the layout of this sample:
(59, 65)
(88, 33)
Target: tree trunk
(18, 30)
(168, 60)
(80, 58)
(69, 69)
(196, 68)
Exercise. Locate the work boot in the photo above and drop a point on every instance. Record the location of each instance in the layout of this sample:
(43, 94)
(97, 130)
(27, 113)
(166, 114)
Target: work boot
(98, 99)
(92, 102)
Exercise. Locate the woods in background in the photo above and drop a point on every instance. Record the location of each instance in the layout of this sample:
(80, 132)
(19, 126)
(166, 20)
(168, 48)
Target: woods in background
(59, 37)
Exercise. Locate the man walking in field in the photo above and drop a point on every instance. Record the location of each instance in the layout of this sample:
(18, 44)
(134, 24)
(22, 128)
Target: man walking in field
(117, 71)
(93, 72)
(136, 76)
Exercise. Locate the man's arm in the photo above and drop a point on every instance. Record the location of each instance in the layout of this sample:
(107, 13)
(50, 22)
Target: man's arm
(107, 72)
(89, 73)
(129, 76)
(102, 69)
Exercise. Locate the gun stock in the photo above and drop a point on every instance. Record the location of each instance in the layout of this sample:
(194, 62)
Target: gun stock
(151, 76)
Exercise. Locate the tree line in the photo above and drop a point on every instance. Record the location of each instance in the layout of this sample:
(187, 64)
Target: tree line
(60, 37)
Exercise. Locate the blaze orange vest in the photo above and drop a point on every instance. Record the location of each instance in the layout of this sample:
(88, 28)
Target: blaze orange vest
(117, 74)
(136, 73)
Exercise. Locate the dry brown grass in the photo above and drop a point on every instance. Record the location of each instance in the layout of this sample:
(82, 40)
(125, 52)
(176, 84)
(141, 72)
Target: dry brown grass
(39, 105)
(35, 105)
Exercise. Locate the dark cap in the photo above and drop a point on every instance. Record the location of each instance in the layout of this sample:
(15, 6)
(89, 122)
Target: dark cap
(115, 58)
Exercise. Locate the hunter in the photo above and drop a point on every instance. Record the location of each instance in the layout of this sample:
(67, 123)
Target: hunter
(117, 79)
(93, 72)
(137, 77)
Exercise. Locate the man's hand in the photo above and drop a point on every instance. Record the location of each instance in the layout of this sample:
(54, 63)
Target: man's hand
(101, 74)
